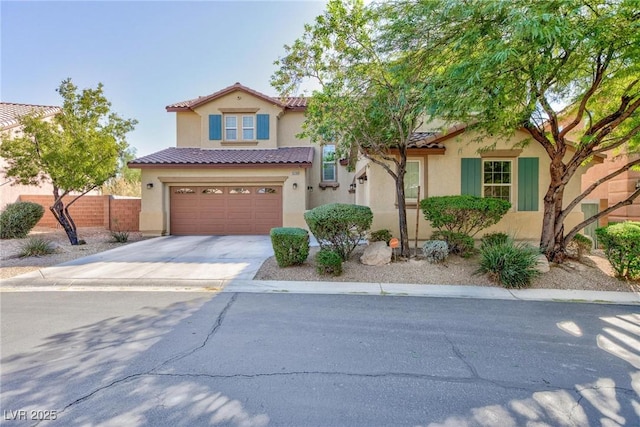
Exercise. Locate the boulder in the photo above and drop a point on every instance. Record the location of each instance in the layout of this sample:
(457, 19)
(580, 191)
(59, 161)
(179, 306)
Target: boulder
(376, 253)
(542, 264)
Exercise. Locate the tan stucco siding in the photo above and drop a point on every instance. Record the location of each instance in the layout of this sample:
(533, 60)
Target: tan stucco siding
(188, 129)
(236, 103)
(154, 216)
(443, 177)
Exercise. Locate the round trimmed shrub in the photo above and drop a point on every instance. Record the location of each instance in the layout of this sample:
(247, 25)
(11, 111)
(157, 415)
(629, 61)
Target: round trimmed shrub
(18, 219)
(622, 248)
(383, 235)
(290, 245)
(328, 262)
(339, 227)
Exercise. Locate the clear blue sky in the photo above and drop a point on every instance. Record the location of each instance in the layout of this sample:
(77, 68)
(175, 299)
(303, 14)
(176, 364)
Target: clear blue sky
(147, 54)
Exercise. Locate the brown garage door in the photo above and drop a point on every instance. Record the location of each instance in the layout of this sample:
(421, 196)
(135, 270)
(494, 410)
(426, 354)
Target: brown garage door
(217, 210)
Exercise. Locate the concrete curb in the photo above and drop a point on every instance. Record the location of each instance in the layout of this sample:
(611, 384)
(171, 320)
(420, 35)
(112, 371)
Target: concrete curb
(31, 284)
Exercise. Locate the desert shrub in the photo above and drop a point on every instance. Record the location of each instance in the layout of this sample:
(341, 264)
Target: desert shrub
(435, 251)
(339, 227)
(328, 262)
(622, 248)
(459, 243)
(17, 219)
(491, 239)
(120, 236)
(36, 246)
(510, 264)
(290, 245)
(463, 214)
(580, 245)
(383, 235)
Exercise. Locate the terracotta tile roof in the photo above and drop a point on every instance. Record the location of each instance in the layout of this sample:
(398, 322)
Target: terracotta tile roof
(10, 112)
(298, 102)
(302, 156)
(424, 140)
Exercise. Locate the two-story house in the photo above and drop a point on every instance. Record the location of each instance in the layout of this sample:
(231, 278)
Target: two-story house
(239, 168)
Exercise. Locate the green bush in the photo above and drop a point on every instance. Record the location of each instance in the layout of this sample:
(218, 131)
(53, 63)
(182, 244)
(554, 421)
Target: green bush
(580, 245)
(36, 246)
(512, 265)
(17, 220)
(491, 239)
(328, 262)
(463, 214)
(622, 248)
(290, 245)
(459, 243)
(383, 235)
(339, 227)
(435, 251)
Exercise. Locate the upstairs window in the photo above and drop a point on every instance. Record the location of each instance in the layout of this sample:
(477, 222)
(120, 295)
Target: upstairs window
(248, 128)
(230, 128)
(329, 165)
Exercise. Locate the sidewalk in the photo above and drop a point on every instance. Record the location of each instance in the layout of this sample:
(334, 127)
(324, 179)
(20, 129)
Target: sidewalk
(32, 284)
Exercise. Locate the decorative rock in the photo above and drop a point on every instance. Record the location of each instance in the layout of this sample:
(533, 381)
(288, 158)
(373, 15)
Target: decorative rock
(376, 253)
(542, 264)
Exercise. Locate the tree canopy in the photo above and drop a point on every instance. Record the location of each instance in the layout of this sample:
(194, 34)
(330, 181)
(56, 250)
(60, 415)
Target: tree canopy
(77, 151)
(566, 71)
(369, 103)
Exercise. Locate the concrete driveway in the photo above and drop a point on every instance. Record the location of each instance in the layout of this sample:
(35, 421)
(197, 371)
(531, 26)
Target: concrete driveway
(171, 258)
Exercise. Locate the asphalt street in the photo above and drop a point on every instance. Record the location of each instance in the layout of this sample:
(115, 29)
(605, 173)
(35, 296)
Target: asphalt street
(250, 359)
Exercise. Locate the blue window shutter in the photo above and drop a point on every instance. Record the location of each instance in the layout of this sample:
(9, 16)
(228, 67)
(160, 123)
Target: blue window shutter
(215, 126)
(471, 177)
(262, 126)
(528, 176)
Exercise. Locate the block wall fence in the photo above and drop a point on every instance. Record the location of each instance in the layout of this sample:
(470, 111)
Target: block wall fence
(112, 213)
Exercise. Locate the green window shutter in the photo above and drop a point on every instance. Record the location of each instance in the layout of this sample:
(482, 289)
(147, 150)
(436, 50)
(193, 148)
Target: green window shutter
(215, 126)
(528, 176)
(471, 177)
(262, 126)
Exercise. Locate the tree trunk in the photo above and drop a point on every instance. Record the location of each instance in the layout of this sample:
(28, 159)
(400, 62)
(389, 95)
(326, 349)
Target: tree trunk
(552, 237)
(63, 217)
(402, 218)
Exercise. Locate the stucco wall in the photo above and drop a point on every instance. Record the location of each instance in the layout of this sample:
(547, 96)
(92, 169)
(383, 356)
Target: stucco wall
(616, 189)
(442, 176)
(155, 213)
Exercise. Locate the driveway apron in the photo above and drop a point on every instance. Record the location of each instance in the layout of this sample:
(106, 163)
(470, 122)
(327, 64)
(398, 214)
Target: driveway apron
(171, 257)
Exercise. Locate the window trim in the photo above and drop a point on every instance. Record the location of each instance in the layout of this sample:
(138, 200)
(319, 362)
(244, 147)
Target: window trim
(420, 162)
(512, 172)
(334, 162)
(227, 128)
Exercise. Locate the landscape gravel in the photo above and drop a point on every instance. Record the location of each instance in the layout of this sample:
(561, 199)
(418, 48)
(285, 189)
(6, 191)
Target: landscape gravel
(592, 272)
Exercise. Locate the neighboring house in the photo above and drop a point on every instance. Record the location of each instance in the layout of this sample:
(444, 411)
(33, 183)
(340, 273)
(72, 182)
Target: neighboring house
(239, 168)
(615, 190)
(9, 115)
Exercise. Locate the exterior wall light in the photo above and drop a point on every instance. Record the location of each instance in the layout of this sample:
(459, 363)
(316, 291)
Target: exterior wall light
(309, 188)
(295, 185)
(150, 186)
(362, 179)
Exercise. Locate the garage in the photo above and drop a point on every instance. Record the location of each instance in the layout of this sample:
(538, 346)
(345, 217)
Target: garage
(224, 210)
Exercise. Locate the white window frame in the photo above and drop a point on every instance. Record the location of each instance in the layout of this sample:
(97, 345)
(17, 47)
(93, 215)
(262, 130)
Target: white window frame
(228, 128)
(251, 128)
(334, 163)
(419, 161)
(509, 185)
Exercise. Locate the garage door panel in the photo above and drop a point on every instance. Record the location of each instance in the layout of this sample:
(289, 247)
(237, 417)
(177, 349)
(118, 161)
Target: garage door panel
(215, 210)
